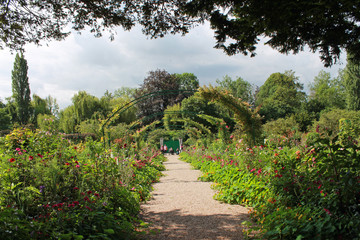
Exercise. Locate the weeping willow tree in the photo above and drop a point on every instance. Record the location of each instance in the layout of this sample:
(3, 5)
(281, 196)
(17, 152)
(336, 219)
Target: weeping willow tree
(247, 118)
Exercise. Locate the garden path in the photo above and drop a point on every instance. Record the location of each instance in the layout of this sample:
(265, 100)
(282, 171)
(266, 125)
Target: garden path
(183, 208)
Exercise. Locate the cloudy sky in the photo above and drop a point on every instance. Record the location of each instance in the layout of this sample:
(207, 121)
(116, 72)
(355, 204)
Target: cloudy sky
(83, 62)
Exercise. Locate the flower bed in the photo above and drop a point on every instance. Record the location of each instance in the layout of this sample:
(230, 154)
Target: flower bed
(295, 193)
(53, 189)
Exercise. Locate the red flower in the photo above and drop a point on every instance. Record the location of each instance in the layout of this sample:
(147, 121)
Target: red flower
(41, 156)
(67, 164)
(327, 211)
(12, 160)
(89, 192)
(88, 208)
(76, 188)
(31, 157)
(76, 202)
(96, 195)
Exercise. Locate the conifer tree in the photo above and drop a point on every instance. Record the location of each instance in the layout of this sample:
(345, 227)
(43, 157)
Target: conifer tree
(21, 89)
(352, 83)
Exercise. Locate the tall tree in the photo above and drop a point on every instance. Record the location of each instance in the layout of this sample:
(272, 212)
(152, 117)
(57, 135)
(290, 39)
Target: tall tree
(239, 88)
(85, 106)
(68, 121)
(52, 105)
(280, 96)
(39, 106)
(21, 89)
(188, 81)
(159, 80)
(289, 25)
(329, 92)
(352, 83)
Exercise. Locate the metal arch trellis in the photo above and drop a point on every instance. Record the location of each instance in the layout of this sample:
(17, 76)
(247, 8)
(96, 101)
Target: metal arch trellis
(136, 101)
(163, 113)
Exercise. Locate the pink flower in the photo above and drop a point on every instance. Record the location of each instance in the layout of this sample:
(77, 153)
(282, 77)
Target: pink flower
(41, 156)
(77, 166)
(252, 170)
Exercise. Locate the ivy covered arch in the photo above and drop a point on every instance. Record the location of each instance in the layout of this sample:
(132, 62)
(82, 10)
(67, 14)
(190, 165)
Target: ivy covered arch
(248, 118)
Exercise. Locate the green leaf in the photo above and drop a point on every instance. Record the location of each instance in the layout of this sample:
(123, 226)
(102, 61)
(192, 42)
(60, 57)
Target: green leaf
(299, 237)
(109, 231)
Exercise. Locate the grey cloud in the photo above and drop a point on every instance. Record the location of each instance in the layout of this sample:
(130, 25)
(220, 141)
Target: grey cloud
(83, 62)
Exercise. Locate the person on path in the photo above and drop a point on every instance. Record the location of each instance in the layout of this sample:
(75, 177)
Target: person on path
(162, 149)
(165, 149)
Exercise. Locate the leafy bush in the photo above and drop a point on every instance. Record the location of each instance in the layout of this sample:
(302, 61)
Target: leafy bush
(329, 122)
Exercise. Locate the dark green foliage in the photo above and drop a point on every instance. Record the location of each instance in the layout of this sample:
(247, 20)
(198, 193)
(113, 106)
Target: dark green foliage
(352, 83)
(32, 21)
(280, 96)
(290, 25)
(325, 26)
(21, 90)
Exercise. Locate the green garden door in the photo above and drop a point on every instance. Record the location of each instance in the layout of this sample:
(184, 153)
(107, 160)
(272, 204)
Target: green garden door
(174, 144)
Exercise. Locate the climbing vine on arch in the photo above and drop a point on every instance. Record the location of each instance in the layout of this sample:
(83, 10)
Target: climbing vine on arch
(248, 119)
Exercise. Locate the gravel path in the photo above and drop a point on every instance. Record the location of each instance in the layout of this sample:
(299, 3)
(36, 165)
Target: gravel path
(183, 207)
